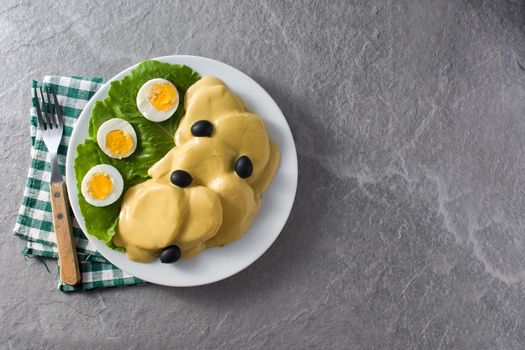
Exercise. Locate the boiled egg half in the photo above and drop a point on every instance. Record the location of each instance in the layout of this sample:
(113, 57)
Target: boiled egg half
(157, 99)
(102, 185)
(117, 138)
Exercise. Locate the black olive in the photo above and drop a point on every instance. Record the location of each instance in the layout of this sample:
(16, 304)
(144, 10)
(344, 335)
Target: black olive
(201, 128)
(181, 178)
(170, 254)
(243, 167)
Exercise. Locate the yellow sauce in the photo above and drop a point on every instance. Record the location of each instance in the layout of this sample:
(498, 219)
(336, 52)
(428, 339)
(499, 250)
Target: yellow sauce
(219, 206)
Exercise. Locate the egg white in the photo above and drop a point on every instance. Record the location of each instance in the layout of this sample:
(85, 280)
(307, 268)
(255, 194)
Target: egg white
(116, 178)
(115, 124)
(145, 107)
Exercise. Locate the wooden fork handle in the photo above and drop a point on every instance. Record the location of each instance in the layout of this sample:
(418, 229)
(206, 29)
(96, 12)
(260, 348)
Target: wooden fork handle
(67, 253)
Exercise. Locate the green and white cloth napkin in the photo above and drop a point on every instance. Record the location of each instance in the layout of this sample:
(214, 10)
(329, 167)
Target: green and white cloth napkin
(34, 222)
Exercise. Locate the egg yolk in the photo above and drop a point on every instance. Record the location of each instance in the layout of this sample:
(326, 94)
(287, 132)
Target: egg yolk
(100, 186)
(119, 143)
(162, 96)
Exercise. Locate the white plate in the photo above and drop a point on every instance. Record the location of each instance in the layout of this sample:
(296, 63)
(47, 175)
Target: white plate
(216, 263)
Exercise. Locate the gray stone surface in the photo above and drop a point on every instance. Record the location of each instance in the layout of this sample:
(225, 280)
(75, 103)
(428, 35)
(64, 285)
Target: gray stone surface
(408, 229)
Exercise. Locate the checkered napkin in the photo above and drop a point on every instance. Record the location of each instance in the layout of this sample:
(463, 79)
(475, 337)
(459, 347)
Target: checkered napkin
(34, 222)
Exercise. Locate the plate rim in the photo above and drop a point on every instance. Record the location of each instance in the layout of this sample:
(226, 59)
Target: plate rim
(75, 139)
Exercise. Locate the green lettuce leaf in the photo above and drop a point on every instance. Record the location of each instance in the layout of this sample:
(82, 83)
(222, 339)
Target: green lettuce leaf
(154, 140)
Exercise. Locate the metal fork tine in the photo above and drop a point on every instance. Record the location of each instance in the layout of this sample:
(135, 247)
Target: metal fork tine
(41, 122)
(44, 108)
(51, 110)
(58, 110)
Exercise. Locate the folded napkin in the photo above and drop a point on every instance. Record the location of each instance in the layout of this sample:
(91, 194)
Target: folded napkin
(34, 222)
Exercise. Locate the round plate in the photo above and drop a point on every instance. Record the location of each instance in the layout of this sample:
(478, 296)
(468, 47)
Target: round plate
(216, 263)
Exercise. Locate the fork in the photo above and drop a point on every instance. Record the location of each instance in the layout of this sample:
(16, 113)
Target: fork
(51, 125)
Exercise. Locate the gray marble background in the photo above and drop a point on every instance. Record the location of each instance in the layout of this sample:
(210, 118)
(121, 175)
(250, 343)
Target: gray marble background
(408, 226)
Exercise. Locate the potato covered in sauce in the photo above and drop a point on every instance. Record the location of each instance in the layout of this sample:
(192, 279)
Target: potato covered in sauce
(206, 191)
